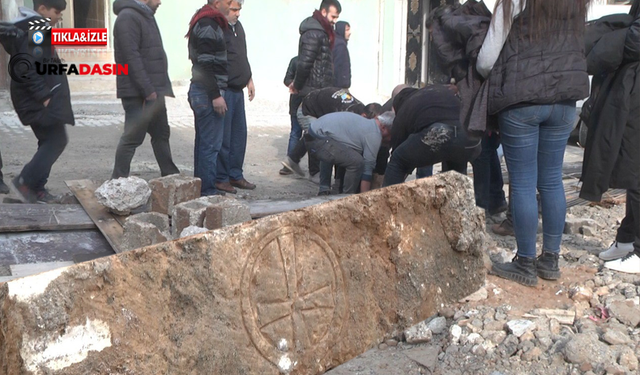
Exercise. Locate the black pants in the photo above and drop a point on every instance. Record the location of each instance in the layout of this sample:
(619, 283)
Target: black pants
(487, 175)
(52, 140)
(435, 144)
(142, 117)
(1, 177)
(298, 153)
(335, 153)
(629, 230)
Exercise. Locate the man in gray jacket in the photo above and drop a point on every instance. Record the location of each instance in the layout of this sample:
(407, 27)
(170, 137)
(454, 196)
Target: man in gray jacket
(137, 43)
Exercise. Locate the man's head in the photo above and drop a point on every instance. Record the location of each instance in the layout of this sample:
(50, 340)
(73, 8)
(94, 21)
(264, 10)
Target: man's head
(222, 6)
(372, 110)
(330, 9)
(50, 9)
(234, 11)
(153, 4)
(385, 123)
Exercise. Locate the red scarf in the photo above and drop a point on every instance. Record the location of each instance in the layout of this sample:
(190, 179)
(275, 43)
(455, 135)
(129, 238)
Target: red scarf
(207, 12)
(326, 25)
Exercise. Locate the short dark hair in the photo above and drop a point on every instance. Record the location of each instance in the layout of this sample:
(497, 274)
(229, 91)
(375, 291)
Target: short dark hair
(57, 4)
(372, 110)
(326, 4)
(357, 108)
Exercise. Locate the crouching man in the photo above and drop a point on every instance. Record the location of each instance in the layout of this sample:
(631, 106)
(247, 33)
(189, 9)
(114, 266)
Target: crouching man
(349, 141)
(427, 131)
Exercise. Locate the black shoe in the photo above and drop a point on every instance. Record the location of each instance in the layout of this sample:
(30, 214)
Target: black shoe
(4, 189)
(323, 193)
(285, 171)
(547, 266)
(521, 270)
(503, 229)
(44, 196)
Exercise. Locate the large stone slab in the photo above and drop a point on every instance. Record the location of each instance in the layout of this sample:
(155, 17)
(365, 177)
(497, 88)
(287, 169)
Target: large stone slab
(296, 293)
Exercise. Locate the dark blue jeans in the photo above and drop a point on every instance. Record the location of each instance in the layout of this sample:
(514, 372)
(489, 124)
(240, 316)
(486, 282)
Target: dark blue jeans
(487, 175)
(209, 134)
(234, 141)
(534, 139)
(52, 140)
(294, 135)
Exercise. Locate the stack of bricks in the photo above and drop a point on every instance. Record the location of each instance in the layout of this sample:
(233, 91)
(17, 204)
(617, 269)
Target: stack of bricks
(211, 212)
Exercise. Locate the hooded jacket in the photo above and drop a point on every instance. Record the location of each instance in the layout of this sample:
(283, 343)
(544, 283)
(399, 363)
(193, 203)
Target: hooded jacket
(137, 42)
(341, 59)
(29, 90)
(612, 112)
(315, 63)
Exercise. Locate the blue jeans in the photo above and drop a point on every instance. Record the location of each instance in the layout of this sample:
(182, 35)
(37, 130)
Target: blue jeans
(487, 175)
(294, 135)
(209, 134)
(534, 139)
(234, 141)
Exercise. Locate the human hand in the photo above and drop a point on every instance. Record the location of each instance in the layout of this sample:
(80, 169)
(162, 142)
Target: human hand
(219, 105)
(252, 89)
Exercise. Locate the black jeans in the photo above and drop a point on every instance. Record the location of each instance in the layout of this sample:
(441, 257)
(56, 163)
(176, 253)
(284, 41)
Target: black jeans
(487, 175)
(52, 140)
(142, 117)
(335, 153)
(435, 144)
(298, 153)
(629, 230)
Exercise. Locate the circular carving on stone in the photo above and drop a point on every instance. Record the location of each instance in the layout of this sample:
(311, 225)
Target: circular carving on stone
(293, 297)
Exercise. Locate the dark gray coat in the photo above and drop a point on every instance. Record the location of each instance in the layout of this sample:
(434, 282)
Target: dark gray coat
(137, 42)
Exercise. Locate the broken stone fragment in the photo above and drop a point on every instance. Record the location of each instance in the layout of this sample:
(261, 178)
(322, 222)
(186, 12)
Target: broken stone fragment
(145, 229)
(192, 230)
(520, 327)
(332, 281)
(419, 333)
(168, 191)
(123, 195)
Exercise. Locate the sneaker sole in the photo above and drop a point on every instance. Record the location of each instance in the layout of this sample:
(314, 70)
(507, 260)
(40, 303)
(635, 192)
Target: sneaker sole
(17, 193)
(549, 275)
(286, 165)
(515, 277)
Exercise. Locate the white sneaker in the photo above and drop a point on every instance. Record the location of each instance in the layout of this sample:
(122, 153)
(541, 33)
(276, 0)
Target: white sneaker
(617, 250)
(628, 264)
(315, 178)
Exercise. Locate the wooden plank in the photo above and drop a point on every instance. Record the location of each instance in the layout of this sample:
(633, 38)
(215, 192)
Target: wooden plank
(262, 208)
(43, 217)
(106, 222)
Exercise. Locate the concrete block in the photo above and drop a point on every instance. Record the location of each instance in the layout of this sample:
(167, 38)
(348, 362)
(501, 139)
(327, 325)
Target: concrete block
(169, 191)
(226, 212)
(145, 229)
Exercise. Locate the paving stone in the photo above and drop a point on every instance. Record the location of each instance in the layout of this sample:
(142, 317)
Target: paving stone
(168, 191)
(299, 292)
(226, 212)
(145, 229)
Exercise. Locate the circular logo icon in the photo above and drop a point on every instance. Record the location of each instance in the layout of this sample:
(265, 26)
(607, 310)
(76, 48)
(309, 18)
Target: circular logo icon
(19, 67)
(37, 37)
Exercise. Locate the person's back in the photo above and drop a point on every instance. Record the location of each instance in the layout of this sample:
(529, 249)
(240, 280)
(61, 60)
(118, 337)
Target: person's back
(329, 100)
(349, 129)
(533, 58)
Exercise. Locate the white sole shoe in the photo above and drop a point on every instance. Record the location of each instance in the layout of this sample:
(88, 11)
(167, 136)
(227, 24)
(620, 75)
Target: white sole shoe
(293, 166)
(628, 264)
(617, 250)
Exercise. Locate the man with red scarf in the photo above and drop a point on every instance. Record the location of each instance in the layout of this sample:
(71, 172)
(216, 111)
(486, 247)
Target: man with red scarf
(208, 54)
(314, 69)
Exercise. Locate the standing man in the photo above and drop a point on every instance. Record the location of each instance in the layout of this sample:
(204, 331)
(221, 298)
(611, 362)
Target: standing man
(234, 142)
(41, 101)
(209, 77)
(341, 58)
(137, 42)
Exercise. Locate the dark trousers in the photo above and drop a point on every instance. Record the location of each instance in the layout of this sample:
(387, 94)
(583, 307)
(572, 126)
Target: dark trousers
(1, 177)
(629, 230)
(234, 141)
(209, 135)
(435, 144)
(487, 175)
(329, 153)
(298, 153)
(142, 117)
(52, 140)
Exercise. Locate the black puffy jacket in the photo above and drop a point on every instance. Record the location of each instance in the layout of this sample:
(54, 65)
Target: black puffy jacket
(31, 90)
(315, 62)
(547, 70)
(612, 113)
(137, 42)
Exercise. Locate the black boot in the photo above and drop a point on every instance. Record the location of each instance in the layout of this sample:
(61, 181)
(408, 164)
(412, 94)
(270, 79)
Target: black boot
(521, 270)
(547, 265)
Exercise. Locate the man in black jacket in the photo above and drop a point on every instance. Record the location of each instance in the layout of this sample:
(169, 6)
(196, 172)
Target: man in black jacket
(208, 54)
(137, 42)
(315, 63)
(41, 101)
(294, 102)
(234, 144)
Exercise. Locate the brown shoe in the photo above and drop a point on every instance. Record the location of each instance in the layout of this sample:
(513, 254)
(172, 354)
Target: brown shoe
(226, 187)
(503, 229)
(243, 184)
